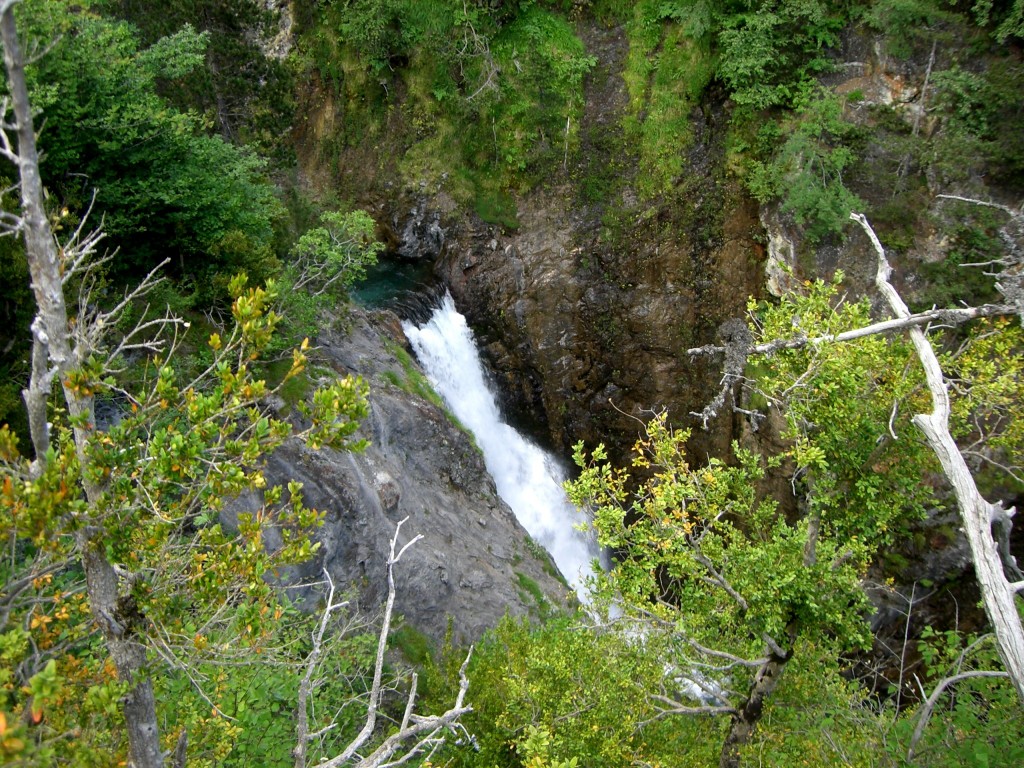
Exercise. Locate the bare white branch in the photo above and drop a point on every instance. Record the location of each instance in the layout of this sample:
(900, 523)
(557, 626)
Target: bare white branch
(975, 511)
(950, 317)
(428, 731)
(986, 203)
(303, 737)
(928, 707)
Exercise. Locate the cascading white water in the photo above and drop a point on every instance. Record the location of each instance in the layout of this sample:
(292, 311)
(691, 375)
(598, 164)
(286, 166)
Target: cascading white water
(527, 478)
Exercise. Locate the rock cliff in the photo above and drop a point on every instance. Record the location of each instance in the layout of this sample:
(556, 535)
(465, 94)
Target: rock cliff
(586, 308)
(475, 562)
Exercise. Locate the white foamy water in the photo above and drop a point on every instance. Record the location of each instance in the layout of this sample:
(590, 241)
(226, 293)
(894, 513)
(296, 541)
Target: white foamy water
(527, 477)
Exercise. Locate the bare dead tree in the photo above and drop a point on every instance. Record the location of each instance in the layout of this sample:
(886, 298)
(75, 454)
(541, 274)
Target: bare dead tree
(976, 513)
(425, 732)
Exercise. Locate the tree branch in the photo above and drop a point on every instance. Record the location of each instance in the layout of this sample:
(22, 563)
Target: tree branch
(675, 708)
(413, 726)
(432, 726)
(719, 579)
(303, 736)
(957, 316)
(929, 706)
(975, 512)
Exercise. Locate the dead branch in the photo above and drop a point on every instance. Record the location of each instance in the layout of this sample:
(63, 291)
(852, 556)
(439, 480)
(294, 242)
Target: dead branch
(950, 317)
(929, 706)
(303, 736)
(431, 726)
(719, 580)
(427, 731)
(673, 707)
(976, 513)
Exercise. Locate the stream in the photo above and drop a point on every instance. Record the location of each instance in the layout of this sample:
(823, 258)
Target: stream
(528, 478)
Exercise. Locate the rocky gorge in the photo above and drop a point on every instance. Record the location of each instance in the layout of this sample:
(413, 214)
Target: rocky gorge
(586, 299)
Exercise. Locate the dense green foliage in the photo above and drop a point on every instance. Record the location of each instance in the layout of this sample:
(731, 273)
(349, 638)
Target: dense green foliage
(723, 568)
(806, 171)
(483, 99)
(491, 96)
(585, 690)
(247, 95)
(164, 187)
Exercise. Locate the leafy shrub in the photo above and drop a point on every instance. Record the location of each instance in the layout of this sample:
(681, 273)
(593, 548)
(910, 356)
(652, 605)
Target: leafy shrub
(906, 22)
(586, 691)
(770, 50)
(806, 171)
(983, 117)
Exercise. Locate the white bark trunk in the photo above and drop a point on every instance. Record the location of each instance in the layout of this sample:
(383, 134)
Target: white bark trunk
(51, 329)
(976, 513)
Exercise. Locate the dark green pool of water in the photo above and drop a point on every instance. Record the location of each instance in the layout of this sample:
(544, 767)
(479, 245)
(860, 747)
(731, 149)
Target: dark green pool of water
(388, 281)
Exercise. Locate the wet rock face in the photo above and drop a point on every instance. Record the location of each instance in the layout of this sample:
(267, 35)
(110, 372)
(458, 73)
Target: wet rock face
(586, 309)
(422, 236)
(586, 337)
(473, 557)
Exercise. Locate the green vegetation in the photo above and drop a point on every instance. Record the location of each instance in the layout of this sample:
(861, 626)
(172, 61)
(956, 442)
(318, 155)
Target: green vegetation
(249, 97)
(492, 96)
(165, 188)
(413, 381)
(720, 574)
(533, 593)
(667, 70)
(806, 171)
(542, 556)
(146, 494)
(416, 647)
(732, 617)
(586, 689)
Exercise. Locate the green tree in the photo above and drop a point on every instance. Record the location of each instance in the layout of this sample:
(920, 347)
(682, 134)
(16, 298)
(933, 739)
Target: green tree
(246, 94)
(336, 253)
(1009, 19)
(128, 515)
(567, 691)
(768, 51)
(739, 585)
(806, 171)
(165, 188)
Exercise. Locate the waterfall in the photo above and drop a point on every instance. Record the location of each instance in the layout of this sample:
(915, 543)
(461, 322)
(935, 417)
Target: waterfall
(527, 478)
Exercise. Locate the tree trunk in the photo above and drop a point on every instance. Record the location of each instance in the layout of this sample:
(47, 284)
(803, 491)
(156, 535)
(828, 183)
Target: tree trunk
(116, 616)
(52, 329)
(976, 514)
(745, 721)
